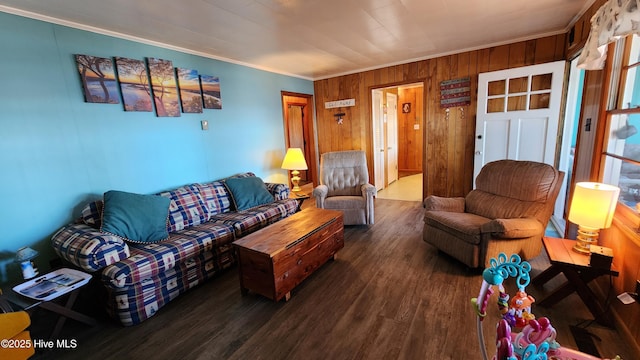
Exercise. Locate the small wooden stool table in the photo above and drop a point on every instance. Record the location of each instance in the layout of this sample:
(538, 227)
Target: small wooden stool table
(576, 268)
(41, 291)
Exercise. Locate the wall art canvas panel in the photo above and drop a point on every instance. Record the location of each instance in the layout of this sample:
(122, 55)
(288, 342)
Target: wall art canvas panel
(211, 92)
(190, 92)
(134, 84)
(165, 92)
(98, 79)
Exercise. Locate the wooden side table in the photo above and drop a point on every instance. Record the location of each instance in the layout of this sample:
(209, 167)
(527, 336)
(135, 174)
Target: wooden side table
(576, 268)
(300, 197)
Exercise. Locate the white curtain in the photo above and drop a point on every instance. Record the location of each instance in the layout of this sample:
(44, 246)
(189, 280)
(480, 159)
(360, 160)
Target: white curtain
(615, 19)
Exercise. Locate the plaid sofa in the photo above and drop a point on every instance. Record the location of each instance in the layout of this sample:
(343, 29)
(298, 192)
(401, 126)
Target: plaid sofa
(141, 278)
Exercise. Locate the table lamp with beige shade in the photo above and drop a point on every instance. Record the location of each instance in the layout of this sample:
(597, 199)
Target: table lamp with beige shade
(294, 161)
(592, 208)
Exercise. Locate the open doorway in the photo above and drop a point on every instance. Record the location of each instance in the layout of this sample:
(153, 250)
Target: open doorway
(398, 119)
(299, 131)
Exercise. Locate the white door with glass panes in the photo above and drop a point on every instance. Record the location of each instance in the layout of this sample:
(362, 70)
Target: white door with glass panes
(517, 115)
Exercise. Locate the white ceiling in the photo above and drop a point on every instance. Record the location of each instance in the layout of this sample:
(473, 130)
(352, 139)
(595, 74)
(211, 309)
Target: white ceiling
(313, 39)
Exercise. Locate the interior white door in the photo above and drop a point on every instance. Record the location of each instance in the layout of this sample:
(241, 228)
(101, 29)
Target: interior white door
(378, 138)
(392, 137)
(517, 116)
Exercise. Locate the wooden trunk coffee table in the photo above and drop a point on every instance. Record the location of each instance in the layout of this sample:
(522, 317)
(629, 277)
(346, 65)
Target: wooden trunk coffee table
(274, 260)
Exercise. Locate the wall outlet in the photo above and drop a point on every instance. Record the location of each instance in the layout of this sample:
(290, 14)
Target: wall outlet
(204, 124)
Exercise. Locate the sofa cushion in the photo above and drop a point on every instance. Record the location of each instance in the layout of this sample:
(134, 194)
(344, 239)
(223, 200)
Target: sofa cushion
(215, 196)
(279, 191)
(88, 248)
(92, 214)
(137, 302)
(150, 260)
(247, 221)
(135, 217)
(186, 209)
(248, 192)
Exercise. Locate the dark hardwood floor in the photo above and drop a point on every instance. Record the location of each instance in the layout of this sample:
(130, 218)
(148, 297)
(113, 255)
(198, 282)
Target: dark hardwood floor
(389, 295)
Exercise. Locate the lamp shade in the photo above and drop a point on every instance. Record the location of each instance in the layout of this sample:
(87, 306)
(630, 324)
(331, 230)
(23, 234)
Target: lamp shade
(593, 204)
(294, 160)
(25, 254)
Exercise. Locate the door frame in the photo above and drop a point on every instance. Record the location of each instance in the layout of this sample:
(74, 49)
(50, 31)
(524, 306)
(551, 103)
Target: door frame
(572, 105)
(371, 146)
(379, 168)
(391, 139)
(310, 150)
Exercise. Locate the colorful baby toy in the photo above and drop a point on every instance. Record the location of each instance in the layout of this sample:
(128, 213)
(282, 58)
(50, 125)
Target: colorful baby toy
(537, 338)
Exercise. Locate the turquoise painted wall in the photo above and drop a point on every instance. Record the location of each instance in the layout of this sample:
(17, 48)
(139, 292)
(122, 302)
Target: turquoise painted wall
(58, 152)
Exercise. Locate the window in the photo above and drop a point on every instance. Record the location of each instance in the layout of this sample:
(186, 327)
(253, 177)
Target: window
(622, 148)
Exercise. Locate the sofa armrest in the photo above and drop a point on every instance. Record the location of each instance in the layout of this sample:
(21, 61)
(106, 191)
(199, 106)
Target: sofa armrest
(88, 248)
(279, 191)
(513, 228)
(438, 203)
(320, 193)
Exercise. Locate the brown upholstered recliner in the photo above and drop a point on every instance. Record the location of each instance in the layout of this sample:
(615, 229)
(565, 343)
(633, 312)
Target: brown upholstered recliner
(508, 212)
(344, 186)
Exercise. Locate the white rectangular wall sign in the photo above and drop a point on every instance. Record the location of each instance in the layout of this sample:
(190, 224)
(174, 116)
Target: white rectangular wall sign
(339, 103)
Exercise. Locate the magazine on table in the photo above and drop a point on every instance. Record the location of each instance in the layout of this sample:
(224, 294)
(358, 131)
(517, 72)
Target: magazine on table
(52, 285)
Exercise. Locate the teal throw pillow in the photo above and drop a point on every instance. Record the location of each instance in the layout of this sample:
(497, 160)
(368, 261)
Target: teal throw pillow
(248, 192)
(134, 217)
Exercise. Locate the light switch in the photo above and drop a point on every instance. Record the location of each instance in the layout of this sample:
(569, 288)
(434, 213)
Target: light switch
(205, 124)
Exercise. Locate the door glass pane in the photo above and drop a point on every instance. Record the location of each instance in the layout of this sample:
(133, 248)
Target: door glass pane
(496, 87)
(539, 101)
(517, 103)
(541, 82)
(518, 85)
(495, 105)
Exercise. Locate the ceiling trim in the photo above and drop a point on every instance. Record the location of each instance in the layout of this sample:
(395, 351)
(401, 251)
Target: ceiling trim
(75, 25)
(53, 20)
(452, 52)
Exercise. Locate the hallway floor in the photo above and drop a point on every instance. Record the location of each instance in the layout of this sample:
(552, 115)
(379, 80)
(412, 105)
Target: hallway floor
(408, 188)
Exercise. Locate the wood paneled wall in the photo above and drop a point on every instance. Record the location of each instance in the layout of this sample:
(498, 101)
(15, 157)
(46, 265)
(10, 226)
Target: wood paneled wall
(410, 132)
(577, 36)
(448, 141)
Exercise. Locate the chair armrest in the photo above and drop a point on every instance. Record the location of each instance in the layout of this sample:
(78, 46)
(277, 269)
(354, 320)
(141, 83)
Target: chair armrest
(513, 228)
(437, 203)
(320, 193)
(13, 323)
(279, 191)
(369, 190)
(88, 248)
